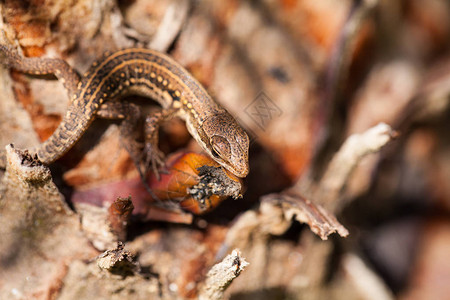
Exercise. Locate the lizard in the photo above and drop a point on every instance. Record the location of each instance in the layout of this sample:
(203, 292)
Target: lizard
(143, 72)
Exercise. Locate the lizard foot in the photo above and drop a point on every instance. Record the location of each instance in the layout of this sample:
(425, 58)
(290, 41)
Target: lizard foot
(155, 158)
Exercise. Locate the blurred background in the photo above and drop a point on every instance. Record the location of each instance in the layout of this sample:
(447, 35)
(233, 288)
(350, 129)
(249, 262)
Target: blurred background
(301, 77)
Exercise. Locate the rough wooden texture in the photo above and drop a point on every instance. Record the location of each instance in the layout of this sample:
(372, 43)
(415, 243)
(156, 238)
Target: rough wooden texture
(310, 81)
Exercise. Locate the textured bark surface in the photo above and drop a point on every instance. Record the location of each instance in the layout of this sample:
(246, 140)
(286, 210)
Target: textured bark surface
(347, 105)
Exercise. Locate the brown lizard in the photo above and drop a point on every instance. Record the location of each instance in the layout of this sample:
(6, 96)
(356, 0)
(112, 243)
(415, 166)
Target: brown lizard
(143, 72)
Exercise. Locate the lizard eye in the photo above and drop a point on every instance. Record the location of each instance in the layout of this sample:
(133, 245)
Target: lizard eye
(215, 153)
(220, 148)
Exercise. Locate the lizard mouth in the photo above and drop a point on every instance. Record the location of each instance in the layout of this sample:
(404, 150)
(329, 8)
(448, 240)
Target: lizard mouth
(238, 171)
(241, 172)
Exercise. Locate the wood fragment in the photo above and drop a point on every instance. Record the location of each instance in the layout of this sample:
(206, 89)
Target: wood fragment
(174, 18)
(221, 275)
(26, 167)
(296, 207)
(95, 226)
(39, 232)
(119, 216)
(369, 285)
(118, 261)
(354, 149)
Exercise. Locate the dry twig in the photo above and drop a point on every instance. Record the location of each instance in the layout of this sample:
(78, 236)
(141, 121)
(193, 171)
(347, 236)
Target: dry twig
(221, 275)
(355, 148)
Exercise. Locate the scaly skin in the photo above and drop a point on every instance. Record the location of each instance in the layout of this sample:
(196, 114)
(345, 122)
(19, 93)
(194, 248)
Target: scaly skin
(138, 71)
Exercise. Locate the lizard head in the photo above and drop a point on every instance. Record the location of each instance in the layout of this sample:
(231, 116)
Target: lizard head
(227, 143)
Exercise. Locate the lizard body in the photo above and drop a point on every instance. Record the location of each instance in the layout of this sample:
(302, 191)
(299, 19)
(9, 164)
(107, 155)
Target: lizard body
(144, 72)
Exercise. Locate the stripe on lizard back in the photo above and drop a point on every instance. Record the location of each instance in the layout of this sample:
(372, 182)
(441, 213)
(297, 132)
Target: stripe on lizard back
(152, 74)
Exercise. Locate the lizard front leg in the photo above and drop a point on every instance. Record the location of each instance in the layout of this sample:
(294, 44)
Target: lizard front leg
(130, 114)
(154, 156)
